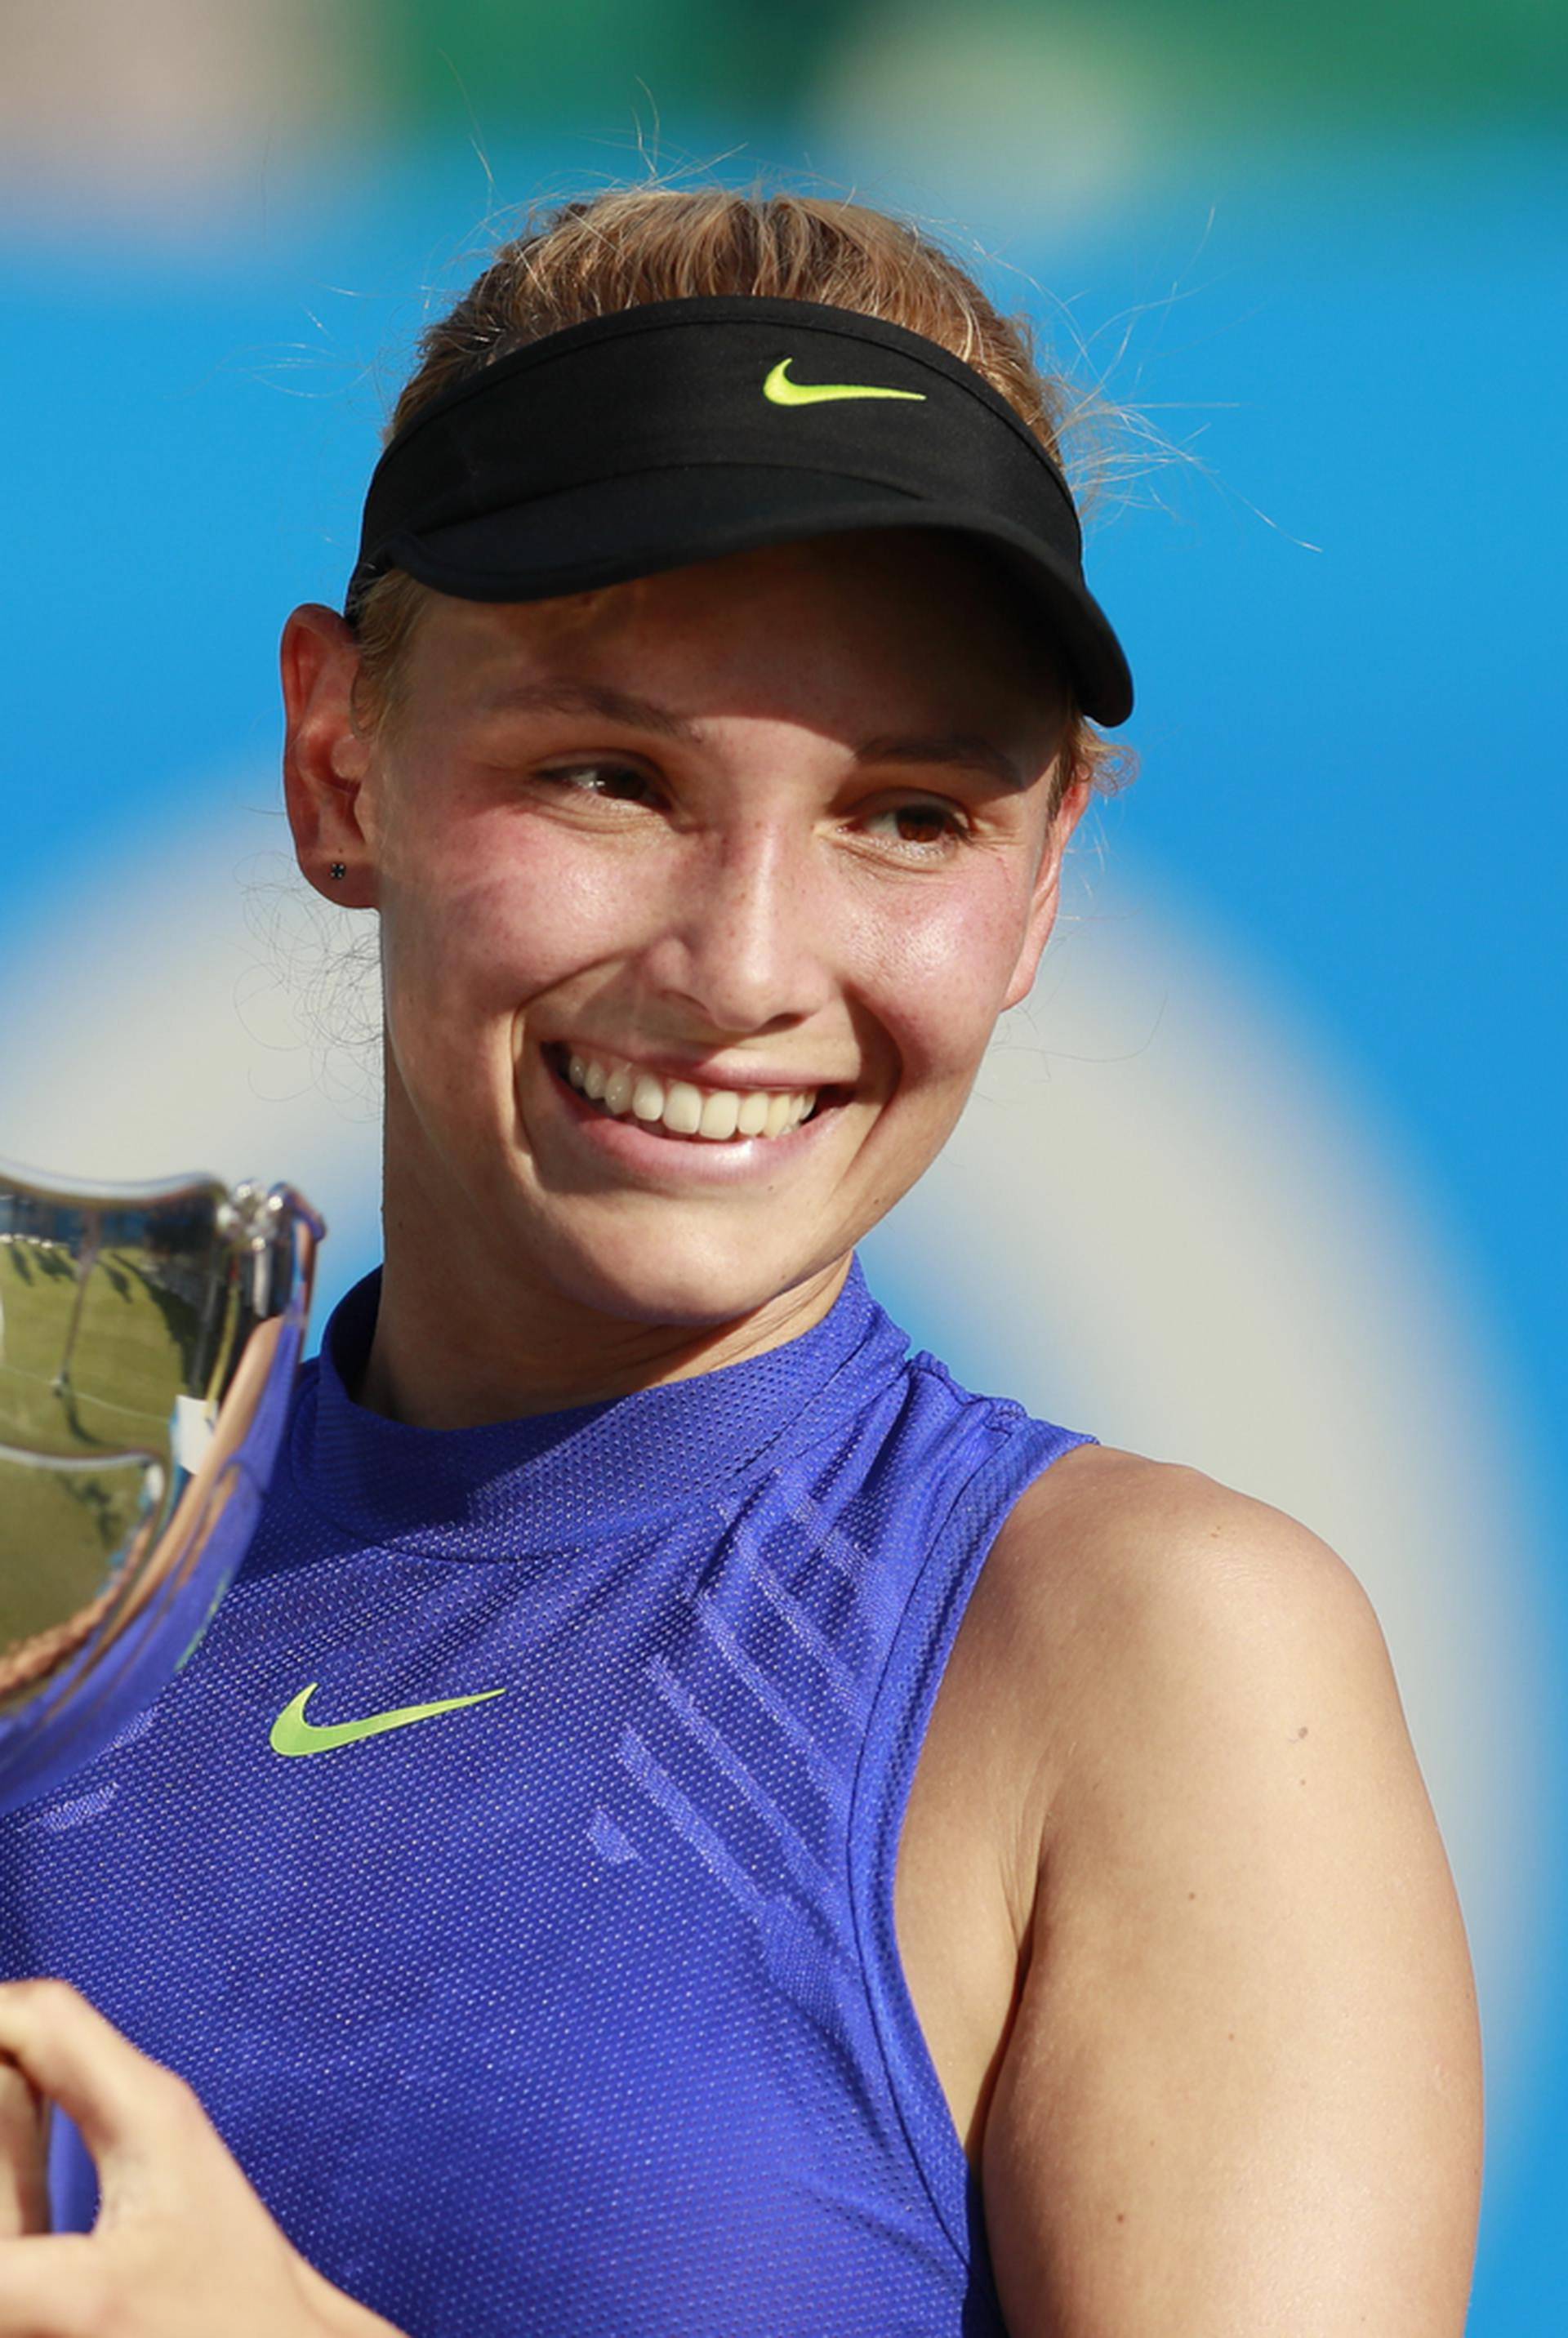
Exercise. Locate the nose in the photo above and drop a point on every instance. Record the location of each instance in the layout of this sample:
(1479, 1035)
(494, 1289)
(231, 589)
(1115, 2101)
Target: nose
(744, 941)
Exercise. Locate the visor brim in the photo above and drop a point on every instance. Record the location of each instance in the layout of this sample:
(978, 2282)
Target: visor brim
(609, 531)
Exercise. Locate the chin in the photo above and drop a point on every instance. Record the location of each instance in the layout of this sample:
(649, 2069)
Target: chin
(686, 1277)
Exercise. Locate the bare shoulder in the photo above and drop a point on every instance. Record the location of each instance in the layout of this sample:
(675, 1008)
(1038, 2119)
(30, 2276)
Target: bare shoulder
(1107, 1523)
(1243, 2087)
(1119, 1580)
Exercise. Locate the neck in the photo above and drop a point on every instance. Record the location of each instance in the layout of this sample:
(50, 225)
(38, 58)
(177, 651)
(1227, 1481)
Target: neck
(466, 1335)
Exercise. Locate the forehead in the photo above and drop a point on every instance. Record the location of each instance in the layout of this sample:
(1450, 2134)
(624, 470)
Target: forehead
(910, 621)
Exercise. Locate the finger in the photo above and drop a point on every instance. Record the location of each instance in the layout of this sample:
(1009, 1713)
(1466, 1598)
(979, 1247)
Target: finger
(119, 2098)
(24, 2153)
(334, 2309)
(52, 2288)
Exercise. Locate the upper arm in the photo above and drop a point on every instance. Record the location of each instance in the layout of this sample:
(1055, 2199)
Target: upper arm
(1243, 2090)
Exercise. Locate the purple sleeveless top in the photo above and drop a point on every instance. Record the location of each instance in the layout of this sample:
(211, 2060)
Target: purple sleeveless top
(576, 2006)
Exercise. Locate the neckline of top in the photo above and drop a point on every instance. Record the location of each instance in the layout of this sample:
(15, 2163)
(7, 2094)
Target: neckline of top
(511, 1487)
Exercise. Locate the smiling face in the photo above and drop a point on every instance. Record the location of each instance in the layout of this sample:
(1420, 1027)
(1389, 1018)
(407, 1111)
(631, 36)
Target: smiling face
(776, 822)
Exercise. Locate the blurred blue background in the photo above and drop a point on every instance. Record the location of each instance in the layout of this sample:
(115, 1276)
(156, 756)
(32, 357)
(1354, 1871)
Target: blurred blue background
(1303, 1006)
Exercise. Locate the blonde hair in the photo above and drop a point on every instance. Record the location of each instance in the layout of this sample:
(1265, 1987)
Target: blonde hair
(629, 246)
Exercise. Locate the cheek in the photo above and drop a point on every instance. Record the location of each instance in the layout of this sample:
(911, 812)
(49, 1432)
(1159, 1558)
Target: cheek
(943, 967)
(479, 935)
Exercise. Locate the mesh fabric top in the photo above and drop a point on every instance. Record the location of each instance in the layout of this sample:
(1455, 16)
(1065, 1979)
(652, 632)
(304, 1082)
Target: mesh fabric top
(576, 2009)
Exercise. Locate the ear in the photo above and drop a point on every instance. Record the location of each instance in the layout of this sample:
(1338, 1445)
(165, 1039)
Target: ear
(1046, 895)
(325, 755)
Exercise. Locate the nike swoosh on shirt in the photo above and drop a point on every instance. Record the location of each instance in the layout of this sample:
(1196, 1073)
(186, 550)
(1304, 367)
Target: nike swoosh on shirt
(292, 1733)
(785, 392)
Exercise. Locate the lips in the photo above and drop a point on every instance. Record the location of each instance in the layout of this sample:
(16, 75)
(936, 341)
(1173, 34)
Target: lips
(647, 1148)
(676, 1107)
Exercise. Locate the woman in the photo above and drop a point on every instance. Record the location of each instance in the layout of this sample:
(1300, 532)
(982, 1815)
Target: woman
(689, 1820)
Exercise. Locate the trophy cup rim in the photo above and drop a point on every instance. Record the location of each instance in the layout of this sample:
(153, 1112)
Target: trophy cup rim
(255, 1208)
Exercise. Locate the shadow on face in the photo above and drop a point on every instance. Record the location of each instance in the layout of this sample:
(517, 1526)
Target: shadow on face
(901, 631)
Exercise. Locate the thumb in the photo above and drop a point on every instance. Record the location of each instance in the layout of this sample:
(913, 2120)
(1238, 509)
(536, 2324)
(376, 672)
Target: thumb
(125, 2105)
(24, 2155)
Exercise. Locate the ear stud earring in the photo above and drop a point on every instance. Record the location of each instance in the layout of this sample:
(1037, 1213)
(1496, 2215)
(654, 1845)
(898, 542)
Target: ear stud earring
(340, 869)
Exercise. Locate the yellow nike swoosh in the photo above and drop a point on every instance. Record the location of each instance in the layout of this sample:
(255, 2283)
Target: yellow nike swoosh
(785, 392)
(292, 1733)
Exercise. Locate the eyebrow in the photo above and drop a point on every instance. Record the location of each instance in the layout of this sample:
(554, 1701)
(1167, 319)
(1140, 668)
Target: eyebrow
(588, 698)
(951, 749)
(954, 749)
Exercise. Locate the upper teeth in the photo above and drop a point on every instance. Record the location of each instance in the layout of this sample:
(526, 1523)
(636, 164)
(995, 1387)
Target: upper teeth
(685, 1110)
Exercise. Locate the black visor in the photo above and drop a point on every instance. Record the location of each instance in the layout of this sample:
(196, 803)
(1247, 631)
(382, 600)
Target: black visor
(684, 429)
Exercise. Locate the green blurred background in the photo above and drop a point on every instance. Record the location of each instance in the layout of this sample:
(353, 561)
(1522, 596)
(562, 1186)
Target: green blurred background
(1198, 69)
(170, 93)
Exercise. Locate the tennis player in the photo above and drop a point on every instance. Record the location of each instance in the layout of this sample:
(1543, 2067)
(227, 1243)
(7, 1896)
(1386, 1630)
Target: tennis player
(691, 1822)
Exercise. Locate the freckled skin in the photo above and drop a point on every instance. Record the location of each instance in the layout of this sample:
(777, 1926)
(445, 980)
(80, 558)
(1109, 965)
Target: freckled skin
(745, 896)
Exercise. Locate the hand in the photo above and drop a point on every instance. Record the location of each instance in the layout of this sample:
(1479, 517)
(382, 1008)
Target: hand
(182, 2247)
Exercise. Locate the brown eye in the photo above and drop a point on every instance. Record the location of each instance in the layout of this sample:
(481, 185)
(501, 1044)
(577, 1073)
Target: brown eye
(922, 827)
(617, 782)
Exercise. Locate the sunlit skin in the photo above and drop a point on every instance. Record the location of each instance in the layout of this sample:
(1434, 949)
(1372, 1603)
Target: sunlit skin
(757, 902)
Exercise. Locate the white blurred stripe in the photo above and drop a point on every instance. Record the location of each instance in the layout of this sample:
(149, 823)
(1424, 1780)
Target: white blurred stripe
(171, 1027)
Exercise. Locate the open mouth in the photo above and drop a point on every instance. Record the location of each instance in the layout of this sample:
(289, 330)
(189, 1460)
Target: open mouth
(680, 1109)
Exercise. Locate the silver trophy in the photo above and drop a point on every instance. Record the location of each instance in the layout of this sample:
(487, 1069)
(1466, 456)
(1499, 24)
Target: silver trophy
(149, 1340)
